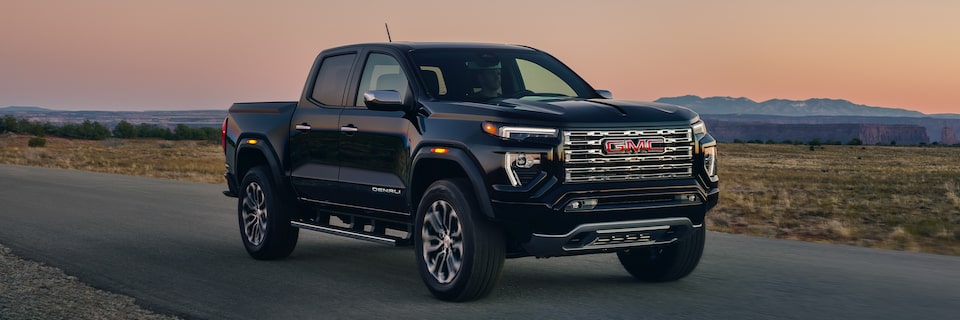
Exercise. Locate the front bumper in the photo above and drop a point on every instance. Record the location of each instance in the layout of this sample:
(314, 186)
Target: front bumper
(610, 236)
(547, 220)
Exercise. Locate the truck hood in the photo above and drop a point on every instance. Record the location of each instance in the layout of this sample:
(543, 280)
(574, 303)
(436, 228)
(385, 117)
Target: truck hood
(576, 112)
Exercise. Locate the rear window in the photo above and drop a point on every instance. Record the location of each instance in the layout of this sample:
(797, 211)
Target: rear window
(332, 79)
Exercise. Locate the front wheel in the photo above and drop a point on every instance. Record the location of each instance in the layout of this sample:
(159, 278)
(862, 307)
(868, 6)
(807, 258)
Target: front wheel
(661, 264)
(459, 253)
(264, 217)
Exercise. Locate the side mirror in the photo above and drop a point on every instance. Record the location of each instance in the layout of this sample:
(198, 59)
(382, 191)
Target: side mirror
(383, 100)
(606, 94)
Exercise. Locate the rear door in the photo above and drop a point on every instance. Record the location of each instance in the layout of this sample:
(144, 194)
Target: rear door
(374, 145)
(315, 131)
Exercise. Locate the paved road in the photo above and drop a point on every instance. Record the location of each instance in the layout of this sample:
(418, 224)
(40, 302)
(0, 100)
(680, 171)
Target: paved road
(175, 247)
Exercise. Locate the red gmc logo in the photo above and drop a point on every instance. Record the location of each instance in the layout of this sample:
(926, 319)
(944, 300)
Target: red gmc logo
(632, 146)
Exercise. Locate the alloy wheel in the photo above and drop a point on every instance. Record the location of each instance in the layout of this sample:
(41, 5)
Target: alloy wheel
(442, 243)
(254, 214)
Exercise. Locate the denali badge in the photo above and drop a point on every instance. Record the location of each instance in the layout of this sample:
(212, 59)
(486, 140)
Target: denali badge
(612, 146)
(386, 190)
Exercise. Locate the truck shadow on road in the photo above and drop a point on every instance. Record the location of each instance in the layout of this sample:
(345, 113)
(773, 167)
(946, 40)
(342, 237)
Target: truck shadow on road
(391, 272)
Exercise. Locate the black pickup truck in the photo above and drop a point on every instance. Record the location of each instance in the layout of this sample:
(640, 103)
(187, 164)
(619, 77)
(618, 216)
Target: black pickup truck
(471, 153)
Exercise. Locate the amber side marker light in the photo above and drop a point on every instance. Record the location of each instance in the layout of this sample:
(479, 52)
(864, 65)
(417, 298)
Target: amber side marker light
(491, 128)
(252, 141)
(439, 150)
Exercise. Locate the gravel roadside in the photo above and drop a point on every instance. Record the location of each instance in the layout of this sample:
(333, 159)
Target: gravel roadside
(31, 290)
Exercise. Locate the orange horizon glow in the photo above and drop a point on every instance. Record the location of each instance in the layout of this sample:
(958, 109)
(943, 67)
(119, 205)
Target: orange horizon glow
(177, 54)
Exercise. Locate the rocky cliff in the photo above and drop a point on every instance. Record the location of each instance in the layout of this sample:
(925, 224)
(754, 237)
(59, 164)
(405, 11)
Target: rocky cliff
(935, 126)
(782, 107)
(948, 136)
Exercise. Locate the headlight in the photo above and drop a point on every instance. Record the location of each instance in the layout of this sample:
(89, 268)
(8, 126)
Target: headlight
(710, 160)
(522, 167)
(699, 130)
(523, 133)
(519, 133)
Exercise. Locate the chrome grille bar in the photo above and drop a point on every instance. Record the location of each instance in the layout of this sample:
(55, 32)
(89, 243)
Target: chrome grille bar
(585, 159)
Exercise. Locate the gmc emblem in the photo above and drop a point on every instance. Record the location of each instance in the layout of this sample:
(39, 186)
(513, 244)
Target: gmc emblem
(633, 146)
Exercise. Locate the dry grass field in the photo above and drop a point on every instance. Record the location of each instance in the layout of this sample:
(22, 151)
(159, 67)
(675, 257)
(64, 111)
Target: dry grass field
(197, 161)
(903, 198)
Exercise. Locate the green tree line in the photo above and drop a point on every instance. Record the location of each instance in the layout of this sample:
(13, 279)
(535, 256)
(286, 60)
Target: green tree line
(96, 131)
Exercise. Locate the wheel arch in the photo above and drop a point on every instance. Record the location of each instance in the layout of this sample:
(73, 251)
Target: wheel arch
(429, 166)
(250, 155)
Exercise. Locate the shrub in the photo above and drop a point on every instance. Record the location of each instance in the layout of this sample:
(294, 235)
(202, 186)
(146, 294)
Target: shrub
(37, 142)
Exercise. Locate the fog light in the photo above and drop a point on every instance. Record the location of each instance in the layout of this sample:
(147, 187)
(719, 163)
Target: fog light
(523, 160)
(514, 161)
(686, 198)
(581, 204)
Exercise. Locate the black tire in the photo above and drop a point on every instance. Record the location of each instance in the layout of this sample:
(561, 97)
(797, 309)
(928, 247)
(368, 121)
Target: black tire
(459, 253)
(264, 217)
(668, 263)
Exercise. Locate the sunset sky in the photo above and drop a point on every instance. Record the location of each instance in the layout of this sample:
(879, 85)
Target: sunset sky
(200, 54)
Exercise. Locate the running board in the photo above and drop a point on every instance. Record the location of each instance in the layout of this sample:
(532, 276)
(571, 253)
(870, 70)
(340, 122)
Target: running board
(359, 235)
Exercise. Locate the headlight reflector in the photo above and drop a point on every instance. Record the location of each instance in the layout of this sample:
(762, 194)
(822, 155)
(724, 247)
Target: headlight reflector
(710, 160)
(524, 133)
(699, 130)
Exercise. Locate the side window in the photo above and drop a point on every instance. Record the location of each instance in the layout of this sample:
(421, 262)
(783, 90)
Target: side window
(540, 80)
(332, 79)
(381, 72)
(433, 78)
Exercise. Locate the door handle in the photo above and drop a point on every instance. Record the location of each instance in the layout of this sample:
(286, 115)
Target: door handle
(303, 127)
(349, 129)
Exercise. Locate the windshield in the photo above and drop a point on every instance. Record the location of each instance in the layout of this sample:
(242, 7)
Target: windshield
(485, 74)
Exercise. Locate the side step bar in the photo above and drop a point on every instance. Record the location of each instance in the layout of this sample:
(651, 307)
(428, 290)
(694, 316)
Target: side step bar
(359, 235)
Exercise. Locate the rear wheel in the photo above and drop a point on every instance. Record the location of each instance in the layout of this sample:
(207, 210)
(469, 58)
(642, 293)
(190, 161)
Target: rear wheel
(459, 253)
(264, 217)
(669, 263)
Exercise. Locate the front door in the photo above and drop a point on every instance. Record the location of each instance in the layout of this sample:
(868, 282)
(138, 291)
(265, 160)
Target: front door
(374, 146)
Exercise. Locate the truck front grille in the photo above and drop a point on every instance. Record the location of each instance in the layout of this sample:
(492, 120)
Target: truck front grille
(627, 155)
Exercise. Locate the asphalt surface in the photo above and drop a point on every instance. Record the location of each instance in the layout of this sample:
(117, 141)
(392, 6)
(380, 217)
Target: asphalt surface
(175, 247)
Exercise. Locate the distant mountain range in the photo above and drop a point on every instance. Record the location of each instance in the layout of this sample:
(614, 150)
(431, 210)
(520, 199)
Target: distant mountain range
(703, 106)
(797, 108)
(729, 119)
(23, 109)
(166, 118)
(825, 119)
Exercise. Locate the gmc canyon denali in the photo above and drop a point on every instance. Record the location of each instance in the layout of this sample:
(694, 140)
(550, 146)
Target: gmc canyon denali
(471, 153)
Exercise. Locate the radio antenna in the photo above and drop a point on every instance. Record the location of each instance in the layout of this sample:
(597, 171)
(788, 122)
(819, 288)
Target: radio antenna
(388, 32)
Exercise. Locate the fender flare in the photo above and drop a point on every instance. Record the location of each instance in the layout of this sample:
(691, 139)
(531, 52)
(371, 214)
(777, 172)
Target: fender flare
(469, 165)
(263, 146)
